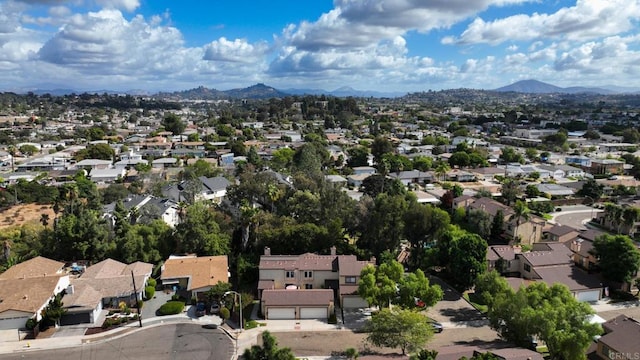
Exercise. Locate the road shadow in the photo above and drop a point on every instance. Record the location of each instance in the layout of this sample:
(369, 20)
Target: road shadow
(469, 316)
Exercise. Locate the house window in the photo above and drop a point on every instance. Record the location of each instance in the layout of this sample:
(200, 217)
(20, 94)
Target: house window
(289, 274)
(527, 267)
(350, 279)
(308, 274)
(308, 286)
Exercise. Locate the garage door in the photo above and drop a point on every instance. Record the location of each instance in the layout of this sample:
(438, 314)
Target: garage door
(313, 313)
(589, 295)
(281, 313)
(74, 319)
(353, 302)
(17, 322)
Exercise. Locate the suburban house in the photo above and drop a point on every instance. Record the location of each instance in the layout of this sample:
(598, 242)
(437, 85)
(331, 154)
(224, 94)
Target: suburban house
(620, 339)
(104, 285)
(147, 208)
(579, 160)
(552, 263)
(528, 231)
(212, 189)
(561, 233)
(548, 262)
(499, 350)
(606, 166)
(27, 288)
(335, 275)
(93, 164)
(582, 247)
(555, 191)
(412, 176)
(194, 275)
(559, 172)
(107, 175)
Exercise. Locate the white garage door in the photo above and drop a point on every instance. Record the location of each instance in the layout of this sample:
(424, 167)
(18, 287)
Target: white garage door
(281, 313)
(13, 323)
(589, 295)
(313, 313)
(353, 302)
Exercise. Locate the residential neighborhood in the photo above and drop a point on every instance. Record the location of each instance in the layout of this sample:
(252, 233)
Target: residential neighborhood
(323, 216)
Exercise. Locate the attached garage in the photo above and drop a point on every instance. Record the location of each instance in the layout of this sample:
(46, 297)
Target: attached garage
(12, 320)
(278, 313)
(353, 302)
(75, 319)
(590, 296)
(314, 313)
(297, 303)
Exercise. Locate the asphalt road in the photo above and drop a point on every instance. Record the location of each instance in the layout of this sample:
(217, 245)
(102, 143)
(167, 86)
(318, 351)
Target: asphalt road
(574, 216)
(172, 341)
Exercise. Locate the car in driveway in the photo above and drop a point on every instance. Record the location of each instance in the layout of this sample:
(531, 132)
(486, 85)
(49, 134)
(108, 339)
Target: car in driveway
(436, 326)
(215, 308)
(200, 309)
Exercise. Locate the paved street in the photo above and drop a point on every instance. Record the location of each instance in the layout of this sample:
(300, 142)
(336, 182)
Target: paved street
(575, 215)
(173, 341)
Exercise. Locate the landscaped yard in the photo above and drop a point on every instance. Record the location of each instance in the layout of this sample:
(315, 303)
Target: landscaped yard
(476, 302)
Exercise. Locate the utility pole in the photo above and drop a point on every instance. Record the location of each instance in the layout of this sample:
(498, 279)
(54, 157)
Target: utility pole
(135, 295)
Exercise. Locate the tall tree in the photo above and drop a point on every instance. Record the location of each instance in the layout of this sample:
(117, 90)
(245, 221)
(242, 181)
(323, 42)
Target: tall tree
(380, 146)
(383, 228)
(423, 224)
(551, 314)
(200, 233)
(520, 213)
(173, 123)
(404, 329)
(618, 257)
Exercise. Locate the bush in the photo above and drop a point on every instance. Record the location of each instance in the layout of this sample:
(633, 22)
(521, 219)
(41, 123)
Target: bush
(171, 308)
(149, 292)
(152, 282)
(31, 324)
(224, 314)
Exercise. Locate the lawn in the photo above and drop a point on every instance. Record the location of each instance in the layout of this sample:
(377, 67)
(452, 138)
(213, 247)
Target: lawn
(476, 302)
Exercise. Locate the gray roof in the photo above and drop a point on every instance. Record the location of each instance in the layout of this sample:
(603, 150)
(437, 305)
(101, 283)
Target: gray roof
(555, 189)
(93, 162)
(573, 277)
(214, 184)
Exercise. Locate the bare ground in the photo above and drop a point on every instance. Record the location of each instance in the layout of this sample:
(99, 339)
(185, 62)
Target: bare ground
(18, 215)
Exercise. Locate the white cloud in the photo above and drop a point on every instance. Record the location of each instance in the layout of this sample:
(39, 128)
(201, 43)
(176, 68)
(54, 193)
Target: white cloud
(588, 19)
(238, 50)
(128, 5)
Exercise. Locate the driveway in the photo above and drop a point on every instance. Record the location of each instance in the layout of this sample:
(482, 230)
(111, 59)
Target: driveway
(453, 311)
(575, 216)
(152, 305)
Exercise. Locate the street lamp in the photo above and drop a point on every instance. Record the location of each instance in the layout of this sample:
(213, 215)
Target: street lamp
(240, 301)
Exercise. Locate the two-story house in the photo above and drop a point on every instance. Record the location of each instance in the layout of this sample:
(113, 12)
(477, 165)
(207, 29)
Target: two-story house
(527, 231)
(332, 278)
(620, 339)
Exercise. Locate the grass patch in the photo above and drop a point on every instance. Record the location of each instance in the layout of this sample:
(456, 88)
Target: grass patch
(475, 301)
(252, 324)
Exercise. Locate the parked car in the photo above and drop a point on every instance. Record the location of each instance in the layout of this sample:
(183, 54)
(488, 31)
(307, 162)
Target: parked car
(436, 326)
(200, 309)
(215, 308)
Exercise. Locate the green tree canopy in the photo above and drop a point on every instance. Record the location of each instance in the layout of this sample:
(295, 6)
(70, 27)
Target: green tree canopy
(618, 257)
(268, 351)
(200, 233)
(404, 329)
(551, 314)
(173, 123)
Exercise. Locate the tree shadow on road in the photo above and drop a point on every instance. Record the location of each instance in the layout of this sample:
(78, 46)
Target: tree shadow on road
(469, 316)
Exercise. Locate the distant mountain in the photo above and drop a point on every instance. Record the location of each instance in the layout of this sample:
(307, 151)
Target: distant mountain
(258, 91)
(539, 87)
(345, 91)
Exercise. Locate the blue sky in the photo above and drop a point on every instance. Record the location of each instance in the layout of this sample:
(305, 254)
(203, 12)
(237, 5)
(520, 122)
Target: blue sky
(384, 45)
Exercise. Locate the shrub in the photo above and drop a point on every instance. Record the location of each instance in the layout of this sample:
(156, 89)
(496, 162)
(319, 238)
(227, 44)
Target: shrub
(152, 282)
(149, 292)
(31, 324)
(175, 297)
(224, 313)
(171, 308)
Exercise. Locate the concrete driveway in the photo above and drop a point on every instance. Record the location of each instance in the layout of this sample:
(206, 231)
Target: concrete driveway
(453, 311)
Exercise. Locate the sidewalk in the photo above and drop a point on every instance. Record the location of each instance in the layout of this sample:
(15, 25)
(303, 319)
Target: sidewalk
(604, 305)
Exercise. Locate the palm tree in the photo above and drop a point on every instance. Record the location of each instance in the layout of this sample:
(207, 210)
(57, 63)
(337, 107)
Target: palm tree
(617, 217)
(609, 214)
(441, 170)
(629, 217)
(520, 212)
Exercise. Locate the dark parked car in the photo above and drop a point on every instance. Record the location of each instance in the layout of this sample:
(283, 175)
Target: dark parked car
(200, 309)
(436, 326)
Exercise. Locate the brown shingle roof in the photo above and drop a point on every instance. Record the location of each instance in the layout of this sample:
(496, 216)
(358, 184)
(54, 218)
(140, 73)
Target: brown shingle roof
(571, 276)
(561, 230)
(311, 297)
(547, 258)
(202, 271)
(84, 296)
(27, 295)
(490, 206)
(37, 267)
(623, 335)
(349, 265)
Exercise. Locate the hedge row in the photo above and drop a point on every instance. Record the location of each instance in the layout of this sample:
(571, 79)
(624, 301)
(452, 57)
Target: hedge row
(171, 308)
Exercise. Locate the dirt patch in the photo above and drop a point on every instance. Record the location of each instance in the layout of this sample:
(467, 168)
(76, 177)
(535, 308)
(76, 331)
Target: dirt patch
(323, 343)
(18, 215)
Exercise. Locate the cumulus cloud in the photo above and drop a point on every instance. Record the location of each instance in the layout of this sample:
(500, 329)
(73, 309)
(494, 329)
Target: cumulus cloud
(128, 5)
(238, 50)
(588, 19)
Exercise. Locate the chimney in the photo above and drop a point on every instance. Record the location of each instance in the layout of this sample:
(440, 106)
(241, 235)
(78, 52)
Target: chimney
(267, 251)
(333, 251)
